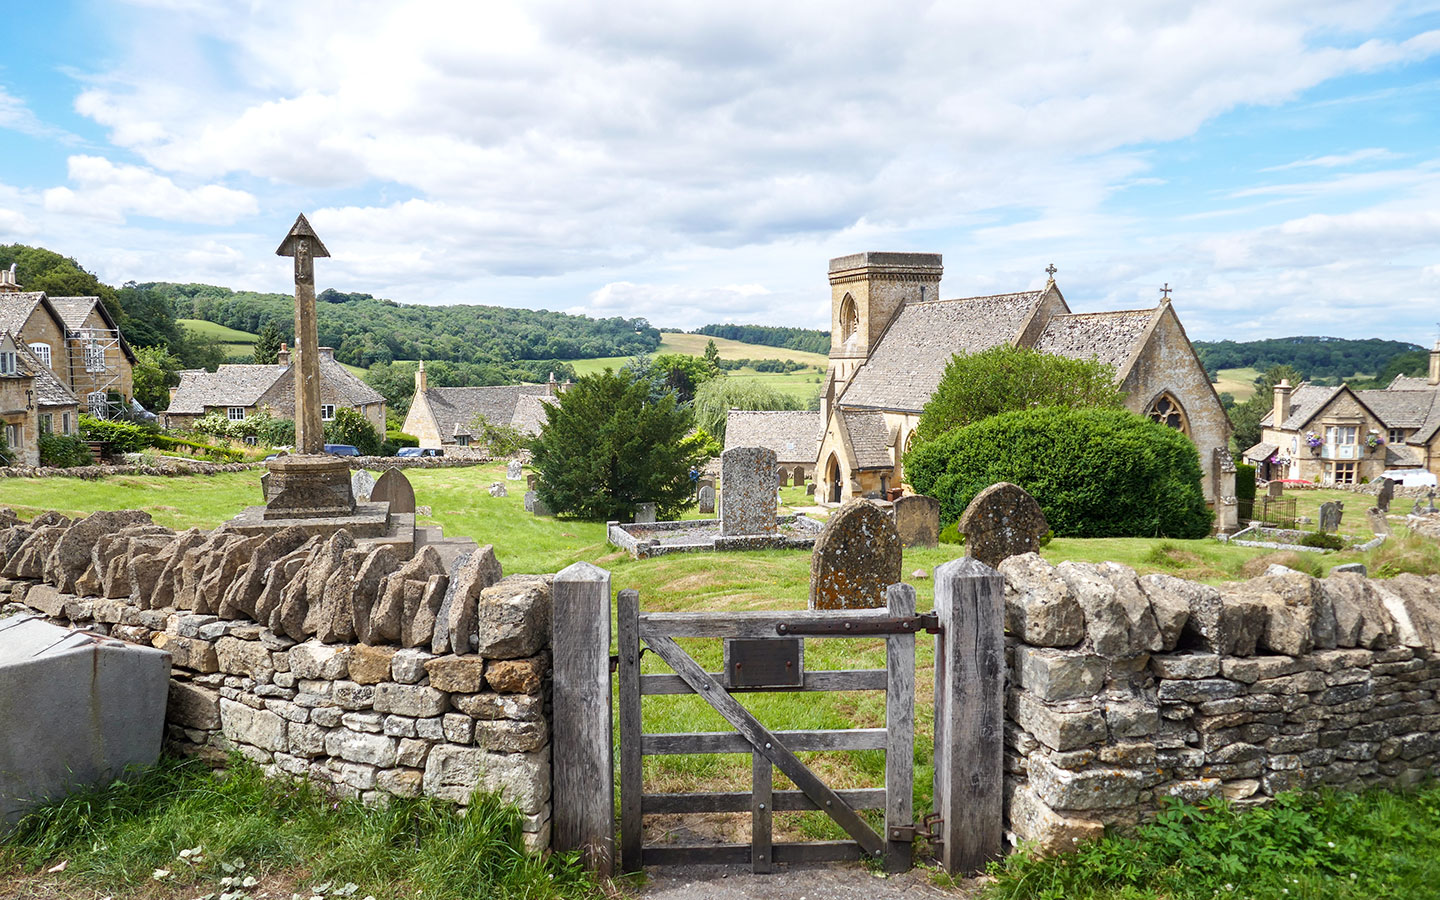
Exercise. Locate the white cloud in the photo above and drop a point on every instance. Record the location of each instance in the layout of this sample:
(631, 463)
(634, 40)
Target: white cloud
(15, 115)
(1336, 160)
(110, 192)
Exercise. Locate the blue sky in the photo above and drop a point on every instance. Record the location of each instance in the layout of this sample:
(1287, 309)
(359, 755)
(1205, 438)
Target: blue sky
(1276, 162)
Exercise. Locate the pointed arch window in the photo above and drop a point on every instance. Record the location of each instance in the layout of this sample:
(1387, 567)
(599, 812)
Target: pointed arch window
(1168, 412)
(849, 318)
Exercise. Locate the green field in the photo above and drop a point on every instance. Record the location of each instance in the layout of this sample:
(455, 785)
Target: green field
(694, 345)
(1239, 383)
(239, 343)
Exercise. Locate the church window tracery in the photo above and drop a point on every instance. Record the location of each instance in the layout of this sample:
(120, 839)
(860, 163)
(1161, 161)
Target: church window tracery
(849, 318)
(1168, 412)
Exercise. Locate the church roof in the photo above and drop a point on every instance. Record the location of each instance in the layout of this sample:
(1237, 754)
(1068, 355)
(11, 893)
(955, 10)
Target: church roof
(868, 438)
(906, 366)
(793, 435)
(1110, 337)
(1305, 401)
(496, 404)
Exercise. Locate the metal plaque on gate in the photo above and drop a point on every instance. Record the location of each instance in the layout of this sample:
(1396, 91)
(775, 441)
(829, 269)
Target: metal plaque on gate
(764, 662)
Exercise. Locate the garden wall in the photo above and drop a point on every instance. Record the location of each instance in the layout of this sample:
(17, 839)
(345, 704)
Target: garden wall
(1124, 691)
(449, 691)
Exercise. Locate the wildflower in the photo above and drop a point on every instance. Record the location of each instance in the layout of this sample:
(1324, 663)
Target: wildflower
(250, 881)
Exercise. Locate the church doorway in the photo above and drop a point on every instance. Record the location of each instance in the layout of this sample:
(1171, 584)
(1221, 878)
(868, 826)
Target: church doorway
(832, 479)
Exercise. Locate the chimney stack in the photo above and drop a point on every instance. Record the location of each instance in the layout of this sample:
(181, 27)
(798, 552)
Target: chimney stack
(283, 357)
(1282, 402)
(1435, 364)
(551, 388)
(327, 352)
(8, 284)
(422, 383)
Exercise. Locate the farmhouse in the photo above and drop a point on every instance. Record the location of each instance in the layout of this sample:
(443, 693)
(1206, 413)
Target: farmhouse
(1336, 435)
(76, 338)
(33, 401)
(891, 338)
(451, 417)
(241, 391)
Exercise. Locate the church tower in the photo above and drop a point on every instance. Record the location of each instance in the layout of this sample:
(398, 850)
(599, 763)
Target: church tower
(867, 290)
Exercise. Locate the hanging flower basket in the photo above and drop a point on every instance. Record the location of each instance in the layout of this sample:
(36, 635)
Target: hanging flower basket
(1374, 441)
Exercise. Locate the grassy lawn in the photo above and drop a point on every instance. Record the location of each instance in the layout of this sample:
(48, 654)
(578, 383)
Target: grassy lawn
(1239, 383)
(219, 332)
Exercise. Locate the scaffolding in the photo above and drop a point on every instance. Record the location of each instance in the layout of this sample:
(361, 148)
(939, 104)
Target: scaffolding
(95, 355)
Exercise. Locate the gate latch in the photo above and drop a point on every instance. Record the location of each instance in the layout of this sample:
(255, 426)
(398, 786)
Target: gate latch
(843, 627)
(927, 830)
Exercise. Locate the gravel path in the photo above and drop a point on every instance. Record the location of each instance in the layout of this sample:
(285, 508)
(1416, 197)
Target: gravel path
(837, 882)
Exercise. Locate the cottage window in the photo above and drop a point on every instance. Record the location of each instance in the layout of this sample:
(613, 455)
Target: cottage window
(13, 434)
(462, 439)
(41, 351)
(235, 413)
(327, 412)
(47, 423)
(1342, 473)
(98, 403)
(65, 423)
(1395, 435)
(1341, 434)
(1167, 411)
(7, 363)
(94, 358)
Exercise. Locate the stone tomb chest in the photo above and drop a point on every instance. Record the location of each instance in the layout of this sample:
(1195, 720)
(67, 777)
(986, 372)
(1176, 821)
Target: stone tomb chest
(75, 710)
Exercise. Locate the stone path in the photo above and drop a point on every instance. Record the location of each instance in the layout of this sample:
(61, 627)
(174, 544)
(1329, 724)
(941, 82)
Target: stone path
(837, 882)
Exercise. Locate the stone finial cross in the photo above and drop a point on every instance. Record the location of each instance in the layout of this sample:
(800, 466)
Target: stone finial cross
(1051, 270)
(1165, 292)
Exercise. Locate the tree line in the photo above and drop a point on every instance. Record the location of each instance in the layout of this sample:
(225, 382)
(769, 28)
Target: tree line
(809, 340)
(1315, 357)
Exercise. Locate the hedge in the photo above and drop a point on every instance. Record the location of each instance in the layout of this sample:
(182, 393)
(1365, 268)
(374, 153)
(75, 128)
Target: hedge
(63, 451)
(1094, 472)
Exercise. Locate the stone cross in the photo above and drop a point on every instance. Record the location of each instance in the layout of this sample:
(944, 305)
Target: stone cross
(1165, 292)
(304, 245)
(1051, 270)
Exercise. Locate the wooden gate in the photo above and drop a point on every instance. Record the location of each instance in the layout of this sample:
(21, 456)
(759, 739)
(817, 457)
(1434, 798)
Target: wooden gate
(769, 749)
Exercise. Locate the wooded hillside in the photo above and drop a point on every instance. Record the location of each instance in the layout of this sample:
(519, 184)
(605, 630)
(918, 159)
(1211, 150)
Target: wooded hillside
(1314, 357)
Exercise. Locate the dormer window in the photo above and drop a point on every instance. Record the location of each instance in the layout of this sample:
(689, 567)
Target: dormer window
(8, 364)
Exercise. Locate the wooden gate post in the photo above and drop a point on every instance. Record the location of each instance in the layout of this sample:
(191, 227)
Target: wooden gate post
(583, 786)
(970, 713)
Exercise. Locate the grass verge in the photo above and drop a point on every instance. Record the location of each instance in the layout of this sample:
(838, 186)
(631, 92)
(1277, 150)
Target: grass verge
(287, 836)
(1328, 846)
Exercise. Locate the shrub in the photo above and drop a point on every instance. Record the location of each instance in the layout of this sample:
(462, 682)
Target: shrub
(1094, 472)
(123, 437)
(1323, 541)
(401, 439)
(350, 427)
(264, 428)
(7, 456)
(195, 448)
(63, 451)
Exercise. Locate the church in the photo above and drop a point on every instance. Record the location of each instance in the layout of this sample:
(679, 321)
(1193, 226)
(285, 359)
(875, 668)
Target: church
(892, 336)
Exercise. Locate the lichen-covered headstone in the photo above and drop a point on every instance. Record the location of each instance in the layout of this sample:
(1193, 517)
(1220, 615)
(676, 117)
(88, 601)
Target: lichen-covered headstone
(644, 513)
(530, 501)
(747, 497)
(707, 499)
(513, 471)
(810, 489)
(362, 484)
(497, 489)
(1002, 521)
(395, 489)
(857, 556)
(917, 518)
(1330, 513)
(1387, 493)
(782, 477)
(1379, 522)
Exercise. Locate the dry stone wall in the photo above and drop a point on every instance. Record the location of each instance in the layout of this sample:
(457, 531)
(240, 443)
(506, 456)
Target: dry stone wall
(314, 658)
(1125, 690)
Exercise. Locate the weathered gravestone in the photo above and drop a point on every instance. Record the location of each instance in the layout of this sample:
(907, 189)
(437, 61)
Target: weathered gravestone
(530, 501)
(1002, 521)
(1379, 522)
(541, 508)
(1387, 493)
(707, 499)
(1274, 490)
(1419, 509)
(394, 488)
(857, 556)
(917, 518)
(513, 471)
(747, 500)
(1331, 512)
(782, 477)
(362, 484)
(497, 489)
(644, 514)
(799, 475)
(810, 489)
(531, 480)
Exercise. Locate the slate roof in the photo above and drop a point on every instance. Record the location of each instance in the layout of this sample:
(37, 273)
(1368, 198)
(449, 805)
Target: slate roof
(530, 412)
(868, 436)
(49, 390)
(1305, 400)
(793, 435)
(1260, 452)
(1400, 408)
(350, 388)
(455, 408)
(1111, 337)
(74, 310)
(15, 309)
(1399, 456)
(230, 385)
(906, 366)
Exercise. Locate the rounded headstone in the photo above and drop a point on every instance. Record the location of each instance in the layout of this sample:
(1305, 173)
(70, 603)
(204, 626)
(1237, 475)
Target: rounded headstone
(1002, 521)
(918, 519)
(394, 488)
(857, 556)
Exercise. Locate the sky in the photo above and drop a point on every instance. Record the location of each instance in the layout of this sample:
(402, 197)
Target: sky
(1275, 162)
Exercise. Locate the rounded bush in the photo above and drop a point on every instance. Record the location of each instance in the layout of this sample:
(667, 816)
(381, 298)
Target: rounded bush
(1094, 472)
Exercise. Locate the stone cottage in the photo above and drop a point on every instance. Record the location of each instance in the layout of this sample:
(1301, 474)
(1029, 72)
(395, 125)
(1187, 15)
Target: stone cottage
(33, 401)
(448, 417)
(77, 339)
(1336, 435)
(892, 336)
(241, 391)
(794, 435)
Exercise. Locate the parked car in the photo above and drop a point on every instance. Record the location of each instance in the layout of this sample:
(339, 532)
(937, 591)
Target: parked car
(1410, 477)
(342, 450)
(420, 451)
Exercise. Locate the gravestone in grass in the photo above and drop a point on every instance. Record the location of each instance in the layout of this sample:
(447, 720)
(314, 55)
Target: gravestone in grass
(917, 518)
(1331, 512)
(395, 489)
(707, 499)
(513, 471)
(857, 556)
(1387, 493)
(1002, 521)
(362, 484)
(747, 496)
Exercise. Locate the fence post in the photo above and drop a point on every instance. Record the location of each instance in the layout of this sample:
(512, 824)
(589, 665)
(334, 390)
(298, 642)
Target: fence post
(583, 786)
(970, 713)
